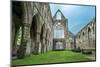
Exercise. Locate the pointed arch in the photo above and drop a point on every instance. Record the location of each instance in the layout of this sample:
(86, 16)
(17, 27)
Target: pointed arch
(58, 15)
(33, 30)
(89, 29)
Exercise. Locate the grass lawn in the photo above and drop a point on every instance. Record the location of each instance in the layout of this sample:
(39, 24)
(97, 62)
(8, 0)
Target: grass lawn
(51, 57)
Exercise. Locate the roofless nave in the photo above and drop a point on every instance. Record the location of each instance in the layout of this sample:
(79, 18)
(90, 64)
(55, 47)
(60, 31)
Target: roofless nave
(35, 31)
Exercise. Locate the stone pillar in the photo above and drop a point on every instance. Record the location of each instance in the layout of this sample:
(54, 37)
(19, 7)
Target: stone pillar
(29, 43)
(25, 33)
(37, 44)
(43, 45)
(47, 46)
(88, 40)
(32, 46)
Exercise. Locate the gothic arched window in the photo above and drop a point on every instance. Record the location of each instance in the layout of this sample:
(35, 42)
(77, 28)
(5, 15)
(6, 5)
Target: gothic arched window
(58, 30)
(89, 30)
(58, 15)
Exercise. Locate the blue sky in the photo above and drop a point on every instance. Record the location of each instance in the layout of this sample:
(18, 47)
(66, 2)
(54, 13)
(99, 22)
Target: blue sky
(78, 16)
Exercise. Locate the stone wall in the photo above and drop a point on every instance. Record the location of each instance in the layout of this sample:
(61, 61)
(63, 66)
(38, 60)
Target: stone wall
(85, 39)
(70, 41)
(36, 22)
(62, 21)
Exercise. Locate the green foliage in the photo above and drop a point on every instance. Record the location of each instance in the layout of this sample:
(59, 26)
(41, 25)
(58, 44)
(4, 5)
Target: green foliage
(52, 57)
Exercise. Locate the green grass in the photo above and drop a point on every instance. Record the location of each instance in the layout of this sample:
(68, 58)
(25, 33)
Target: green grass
(51, 57)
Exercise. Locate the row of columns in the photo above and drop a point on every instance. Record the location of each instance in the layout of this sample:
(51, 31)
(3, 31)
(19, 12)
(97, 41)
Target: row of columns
(29, 45)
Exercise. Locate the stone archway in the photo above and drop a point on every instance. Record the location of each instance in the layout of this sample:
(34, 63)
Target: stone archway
(33, 29)
(42, 37)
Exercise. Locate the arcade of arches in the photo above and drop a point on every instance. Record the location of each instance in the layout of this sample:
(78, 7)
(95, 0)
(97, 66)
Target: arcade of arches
(35, 31)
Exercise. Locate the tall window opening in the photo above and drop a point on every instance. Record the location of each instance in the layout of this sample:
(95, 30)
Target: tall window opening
(58, 31)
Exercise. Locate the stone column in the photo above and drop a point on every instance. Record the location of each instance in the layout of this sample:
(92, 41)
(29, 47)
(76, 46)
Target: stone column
(25, 33)
(29, 43)
(32, 46)
(37, 44)
(43, 45)
(26, 19)
(47, 46)
(88, 40)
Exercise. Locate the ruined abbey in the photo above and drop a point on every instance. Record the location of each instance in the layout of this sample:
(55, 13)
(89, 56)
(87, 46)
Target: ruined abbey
(35, 31)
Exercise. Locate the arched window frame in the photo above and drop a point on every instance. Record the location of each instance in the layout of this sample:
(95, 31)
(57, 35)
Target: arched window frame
(58, 30)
